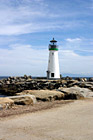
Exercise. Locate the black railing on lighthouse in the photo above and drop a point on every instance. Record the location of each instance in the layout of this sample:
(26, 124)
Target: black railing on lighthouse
(53, 45)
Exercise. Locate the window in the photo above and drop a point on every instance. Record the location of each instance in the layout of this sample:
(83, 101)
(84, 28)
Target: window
(52, 53)
(52, 74)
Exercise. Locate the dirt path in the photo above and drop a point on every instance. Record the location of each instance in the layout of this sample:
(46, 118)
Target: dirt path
(72, 121)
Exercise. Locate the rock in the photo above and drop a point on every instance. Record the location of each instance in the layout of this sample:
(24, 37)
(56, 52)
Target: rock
(68, 78)
(88, 85)
(8, 82)
(25, 76)
(71, 83)
(76, 93)
(63, 83)
(44, 95)
(91, 79)
(24, 99)
(29, 77)
(79, 79)
(6, 103)
(85, 79)
(13, 85)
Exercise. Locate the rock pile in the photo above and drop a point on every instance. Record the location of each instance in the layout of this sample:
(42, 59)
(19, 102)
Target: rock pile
(25, 90)
(13, 80)
(13, 85)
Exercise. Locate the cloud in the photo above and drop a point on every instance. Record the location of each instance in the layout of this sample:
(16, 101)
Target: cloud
(82, 46)
(23, 59)
(73, 63)
(33, 27)
(14, 29)
(28, 16)
(28, 28)
(73, 40)
(18, 16)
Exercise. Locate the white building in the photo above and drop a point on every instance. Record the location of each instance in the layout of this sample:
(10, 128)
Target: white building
(53, 62)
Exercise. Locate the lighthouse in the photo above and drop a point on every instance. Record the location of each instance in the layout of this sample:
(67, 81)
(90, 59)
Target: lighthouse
(53, 62)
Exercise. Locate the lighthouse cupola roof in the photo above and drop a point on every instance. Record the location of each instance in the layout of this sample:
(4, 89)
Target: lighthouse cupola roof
(53, 40)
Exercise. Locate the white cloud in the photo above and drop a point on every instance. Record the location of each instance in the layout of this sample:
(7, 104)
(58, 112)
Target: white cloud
(23, 59)
(28, 16)
(26, 28)
(80, 45)
(14, 29)
(73, 39)
(18, 29)
(70, 62)
(20, 17)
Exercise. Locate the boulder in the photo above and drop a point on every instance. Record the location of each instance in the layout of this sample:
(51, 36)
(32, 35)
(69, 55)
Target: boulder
(7, 82)
(44, 95)
(79, 79)
(85, 79)
(76, 92)
(24, 99)
(91, 79)
(6, 103)
(71, 83)
(68, 78)
(88, 85)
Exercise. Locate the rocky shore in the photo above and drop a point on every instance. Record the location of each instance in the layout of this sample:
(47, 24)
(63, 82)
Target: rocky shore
(13, 85)
(27, 91)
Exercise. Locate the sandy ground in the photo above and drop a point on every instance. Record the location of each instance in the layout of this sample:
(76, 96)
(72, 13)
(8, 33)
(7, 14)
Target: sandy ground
(73, 121)
(23, 109)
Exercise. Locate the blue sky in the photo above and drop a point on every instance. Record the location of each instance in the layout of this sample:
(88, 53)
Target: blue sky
(27, 26)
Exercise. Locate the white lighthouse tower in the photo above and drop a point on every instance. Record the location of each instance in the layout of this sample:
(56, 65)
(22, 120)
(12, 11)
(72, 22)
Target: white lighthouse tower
(53, 62)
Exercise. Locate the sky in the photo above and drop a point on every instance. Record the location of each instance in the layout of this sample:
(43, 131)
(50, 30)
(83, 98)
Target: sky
(27, 26)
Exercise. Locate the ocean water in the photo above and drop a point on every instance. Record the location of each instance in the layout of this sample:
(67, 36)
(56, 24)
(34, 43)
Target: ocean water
(5, 77)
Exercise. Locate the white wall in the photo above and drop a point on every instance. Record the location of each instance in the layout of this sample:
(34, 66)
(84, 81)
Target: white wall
(53, 64)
